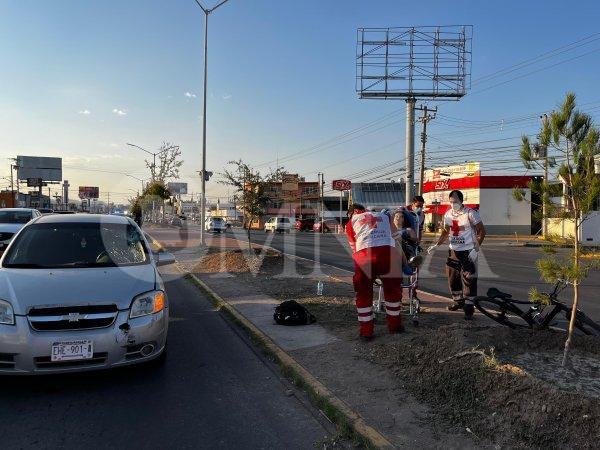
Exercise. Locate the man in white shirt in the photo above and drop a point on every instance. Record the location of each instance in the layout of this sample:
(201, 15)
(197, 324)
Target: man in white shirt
(466, 231)
(370, 236)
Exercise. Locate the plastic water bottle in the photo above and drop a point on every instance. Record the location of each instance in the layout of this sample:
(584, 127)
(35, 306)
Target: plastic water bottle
(320, 288)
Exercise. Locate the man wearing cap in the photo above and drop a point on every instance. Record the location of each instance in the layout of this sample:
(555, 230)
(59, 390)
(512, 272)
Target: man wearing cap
(466, 231)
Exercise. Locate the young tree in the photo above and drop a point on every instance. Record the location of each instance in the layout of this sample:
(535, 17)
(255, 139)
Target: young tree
(574, 139)
(169, 162)
(250, 186)
(155, 191)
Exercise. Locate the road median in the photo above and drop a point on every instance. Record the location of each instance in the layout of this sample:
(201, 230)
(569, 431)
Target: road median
(446, 383)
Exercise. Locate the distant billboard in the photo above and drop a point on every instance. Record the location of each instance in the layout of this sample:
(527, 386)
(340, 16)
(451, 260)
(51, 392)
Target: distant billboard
(341, 185)
(177, 188)
(89, 192)
(46, 168)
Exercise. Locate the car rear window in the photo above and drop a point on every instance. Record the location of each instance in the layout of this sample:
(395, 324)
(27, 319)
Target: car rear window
(15, 216)
(284, 219)
(64, 245)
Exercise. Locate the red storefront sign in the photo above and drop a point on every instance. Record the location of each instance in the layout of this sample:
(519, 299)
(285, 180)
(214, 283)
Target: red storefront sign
(341, 185)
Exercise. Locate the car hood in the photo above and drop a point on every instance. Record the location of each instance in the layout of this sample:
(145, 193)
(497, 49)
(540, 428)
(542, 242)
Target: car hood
(10, 227)
(25, 288)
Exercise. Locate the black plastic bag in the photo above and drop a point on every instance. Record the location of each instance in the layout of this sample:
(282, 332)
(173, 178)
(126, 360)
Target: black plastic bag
(291, 312)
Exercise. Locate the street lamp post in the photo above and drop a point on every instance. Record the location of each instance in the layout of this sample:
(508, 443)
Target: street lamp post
(136, 178)
(153, 155)
(203, 174)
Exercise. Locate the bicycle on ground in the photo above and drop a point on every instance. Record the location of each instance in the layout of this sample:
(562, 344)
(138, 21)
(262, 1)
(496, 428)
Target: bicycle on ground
(502, 308)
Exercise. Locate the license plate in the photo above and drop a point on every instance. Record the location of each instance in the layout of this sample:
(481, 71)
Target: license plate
(72, 350)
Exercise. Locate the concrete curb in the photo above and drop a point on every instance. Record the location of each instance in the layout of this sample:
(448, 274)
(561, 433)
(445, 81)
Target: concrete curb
(335, 409)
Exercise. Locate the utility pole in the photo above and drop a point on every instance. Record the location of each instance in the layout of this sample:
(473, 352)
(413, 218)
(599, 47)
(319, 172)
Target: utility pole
(426, 117)
(12, 188)
(410, 150)
(544, 118)
(301, 187)
(321, 194)
(204, 96)
(66, 194)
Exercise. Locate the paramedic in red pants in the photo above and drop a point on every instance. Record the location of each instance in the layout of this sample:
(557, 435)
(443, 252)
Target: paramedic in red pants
(466, 231)
(370, 236)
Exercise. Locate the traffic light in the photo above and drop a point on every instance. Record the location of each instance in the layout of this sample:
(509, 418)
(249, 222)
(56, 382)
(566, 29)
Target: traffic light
(207, 175)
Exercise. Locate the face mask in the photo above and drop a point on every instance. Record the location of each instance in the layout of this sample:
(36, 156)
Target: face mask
(418, 210)
(456, 206)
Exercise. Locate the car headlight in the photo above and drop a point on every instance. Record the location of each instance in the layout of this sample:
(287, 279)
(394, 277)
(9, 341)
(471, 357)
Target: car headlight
(7, 316)
(146, 304)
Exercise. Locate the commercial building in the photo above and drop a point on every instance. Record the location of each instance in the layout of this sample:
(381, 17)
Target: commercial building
(491, 195)
(303, 201)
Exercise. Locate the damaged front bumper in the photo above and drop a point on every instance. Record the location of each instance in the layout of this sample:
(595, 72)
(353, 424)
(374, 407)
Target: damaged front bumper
(127, 341)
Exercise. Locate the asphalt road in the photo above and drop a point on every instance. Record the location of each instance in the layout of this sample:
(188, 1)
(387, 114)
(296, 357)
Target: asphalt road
(508, 267)
(215, 391)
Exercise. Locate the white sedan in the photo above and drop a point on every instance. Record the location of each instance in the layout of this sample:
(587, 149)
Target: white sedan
(12, 220)
(80, 292)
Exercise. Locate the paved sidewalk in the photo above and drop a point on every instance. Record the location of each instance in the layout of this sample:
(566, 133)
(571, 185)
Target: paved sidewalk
(368, 389)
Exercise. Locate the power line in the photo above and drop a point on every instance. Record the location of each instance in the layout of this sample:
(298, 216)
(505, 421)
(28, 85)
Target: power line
(541, 57)
(302, 152)
(535, 71)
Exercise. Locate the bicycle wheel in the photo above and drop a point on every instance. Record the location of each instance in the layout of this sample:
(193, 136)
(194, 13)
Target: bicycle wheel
(501, 311)
(583, 323)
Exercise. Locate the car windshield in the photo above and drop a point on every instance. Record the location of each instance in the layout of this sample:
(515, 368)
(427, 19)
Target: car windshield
(217, 220)
(15, 216)
(64, 245)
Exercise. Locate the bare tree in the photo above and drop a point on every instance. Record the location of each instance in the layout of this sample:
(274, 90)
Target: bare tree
(250, 185)
(169, 162)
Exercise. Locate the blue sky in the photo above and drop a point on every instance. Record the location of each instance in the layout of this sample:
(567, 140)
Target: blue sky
(79, 79)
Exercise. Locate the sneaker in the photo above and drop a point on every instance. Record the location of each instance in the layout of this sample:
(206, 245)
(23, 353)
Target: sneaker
(469, 310)
(455, 306)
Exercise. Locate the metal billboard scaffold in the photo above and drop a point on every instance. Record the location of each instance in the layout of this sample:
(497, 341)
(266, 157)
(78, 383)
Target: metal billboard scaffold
(413, 63)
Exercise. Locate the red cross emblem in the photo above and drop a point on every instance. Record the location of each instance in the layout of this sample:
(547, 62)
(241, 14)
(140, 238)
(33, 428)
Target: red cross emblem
(369, 220)
(455, 228)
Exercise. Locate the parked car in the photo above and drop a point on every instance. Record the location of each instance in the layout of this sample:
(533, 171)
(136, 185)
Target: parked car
(80, 292)
(12, 220)
(329, 225)
(279, 224)
(304, 224)
(215, 224)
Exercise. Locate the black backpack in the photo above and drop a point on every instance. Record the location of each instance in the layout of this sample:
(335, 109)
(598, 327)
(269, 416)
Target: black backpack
(291, 312)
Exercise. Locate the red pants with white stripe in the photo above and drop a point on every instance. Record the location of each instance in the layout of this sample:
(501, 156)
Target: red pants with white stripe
(383, 263)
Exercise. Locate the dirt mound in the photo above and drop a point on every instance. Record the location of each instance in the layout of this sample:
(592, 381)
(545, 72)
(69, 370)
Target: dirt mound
(478, 379)
(239, 261)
